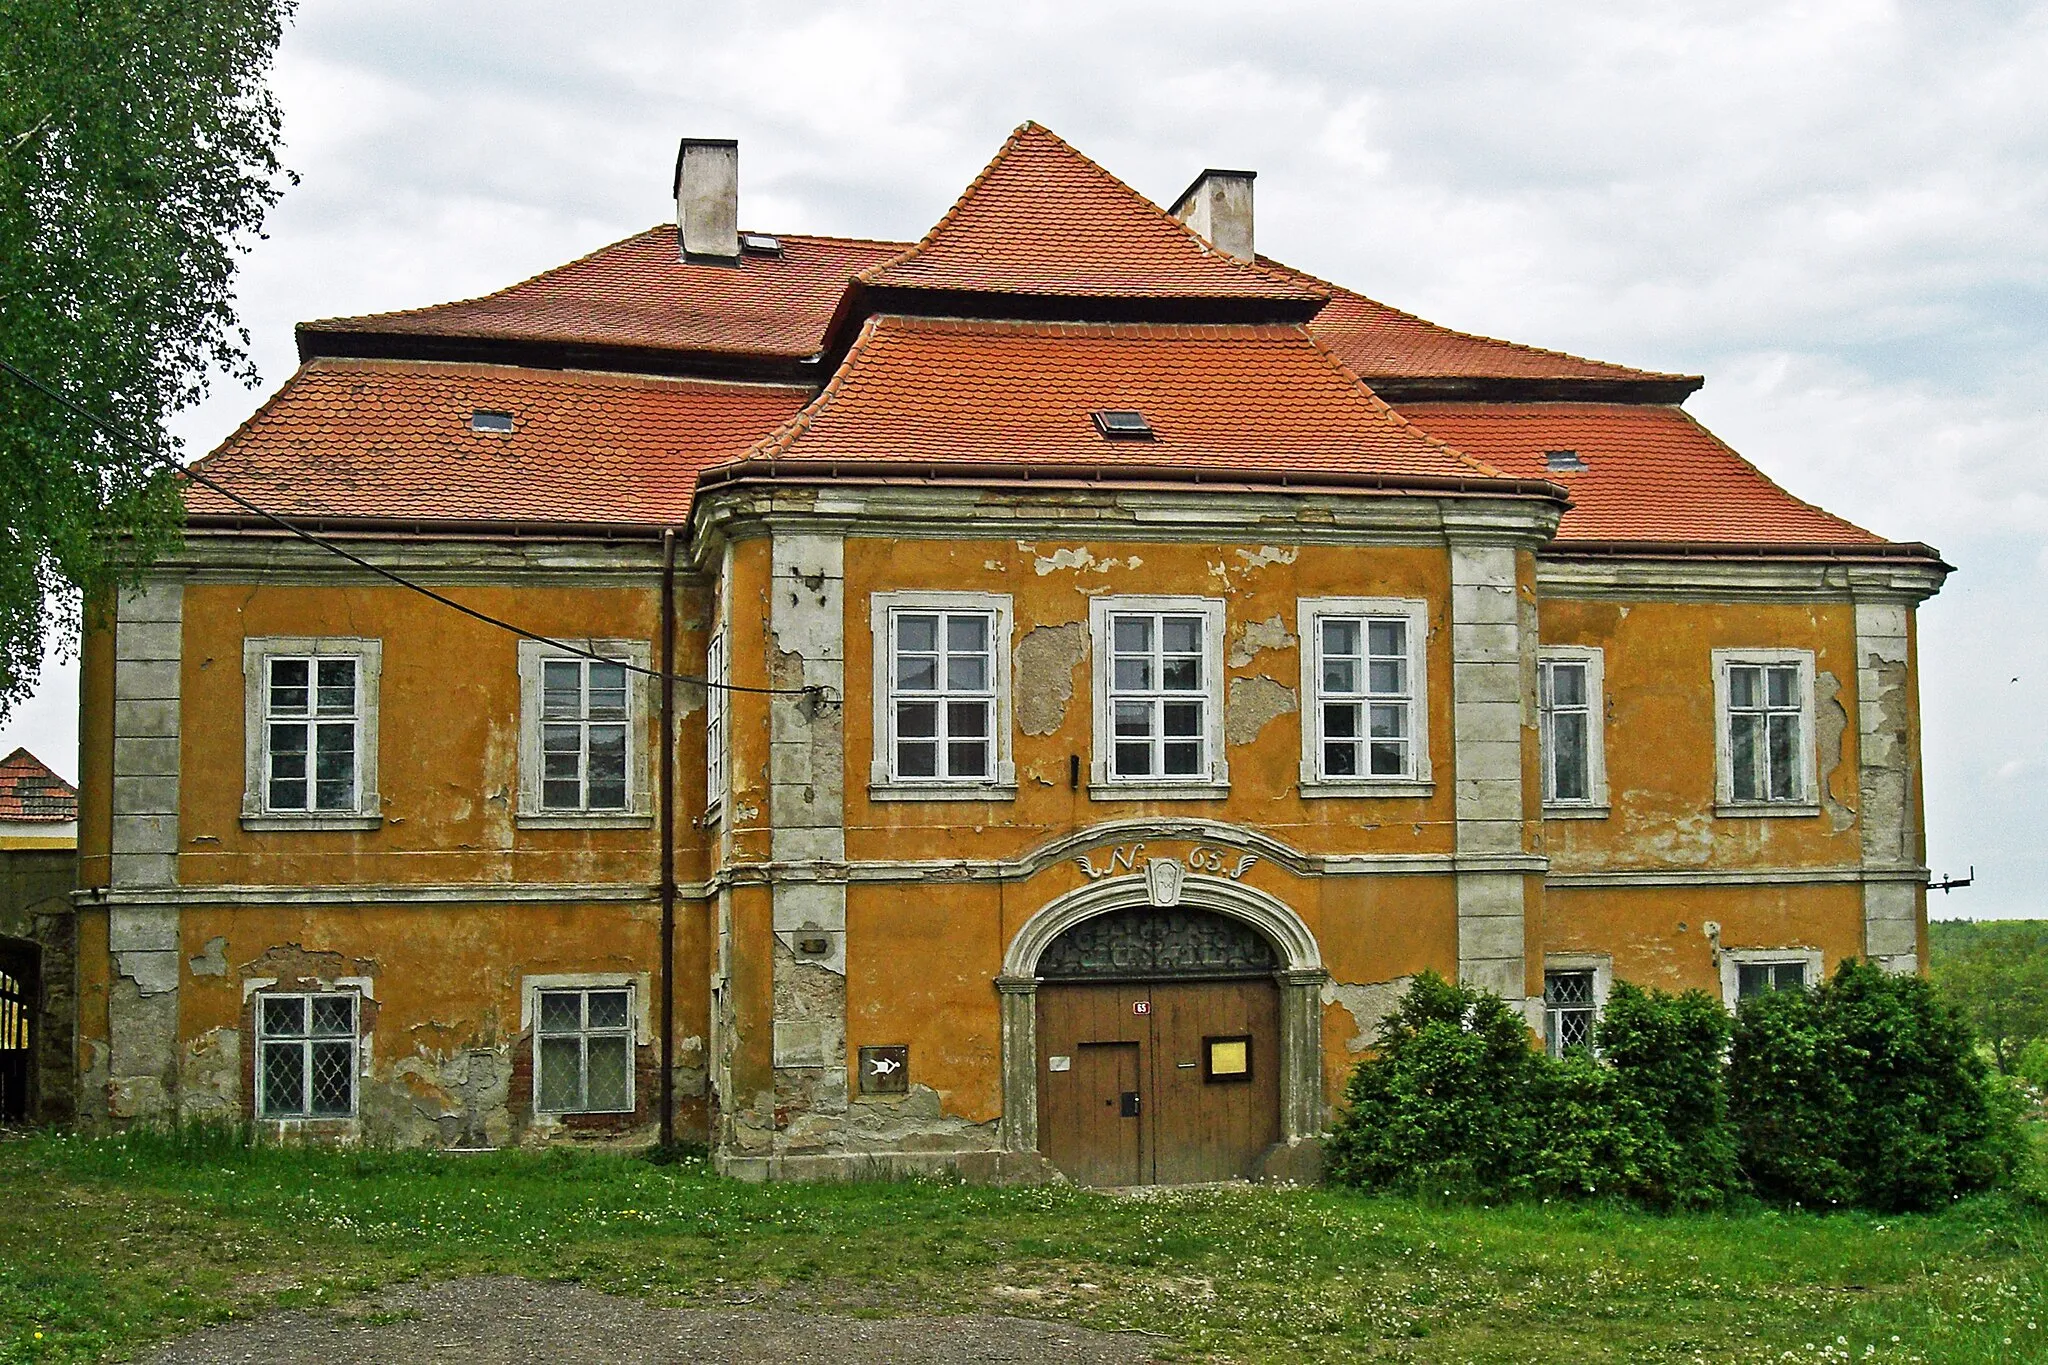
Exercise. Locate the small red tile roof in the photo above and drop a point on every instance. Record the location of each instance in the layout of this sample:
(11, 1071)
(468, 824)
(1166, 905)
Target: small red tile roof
(1259, 399)
(1382, 342)
(1043, 219)
(638, 293)
(1652, 474)
(375, 438)
(31, 793)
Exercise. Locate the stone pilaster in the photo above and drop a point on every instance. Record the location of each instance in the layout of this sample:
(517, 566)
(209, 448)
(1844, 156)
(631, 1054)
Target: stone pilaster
(1884, 746)
(142, 1005)
(1489, 643)
(807, 807)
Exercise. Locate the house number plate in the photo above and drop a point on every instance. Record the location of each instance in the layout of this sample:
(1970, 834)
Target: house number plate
(1141, 1007)
(1059, 1064)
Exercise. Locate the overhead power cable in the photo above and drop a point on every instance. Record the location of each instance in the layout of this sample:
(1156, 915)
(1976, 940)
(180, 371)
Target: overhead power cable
(314, 538)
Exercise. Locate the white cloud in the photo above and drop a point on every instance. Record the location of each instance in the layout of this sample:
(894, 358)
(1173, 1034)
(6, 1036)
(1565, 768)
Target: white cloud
(1837, 210)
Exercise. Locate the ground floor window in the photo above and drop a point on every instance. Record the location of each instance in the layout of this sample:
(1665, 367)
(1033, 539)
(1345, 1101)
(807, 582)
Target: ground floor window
(1760, 978)
(584, 1051)
(1569, 1007)
(306, 1044)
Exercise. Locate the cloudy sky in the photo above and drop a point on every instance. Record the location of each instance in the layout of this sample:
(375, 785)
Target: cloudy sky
(1838, 212)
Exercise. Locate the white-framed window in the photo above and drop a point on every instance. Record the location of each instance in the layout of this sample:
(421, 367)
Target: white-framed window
(1756, 971)
(306, 1054)
(583, 734)
(941, 696)
(1575, 987)
(586, 1029)
(714, 722)
(1158, 696)
(1364, 675)
(310, 730)
(1571, 705)
(1764, 741)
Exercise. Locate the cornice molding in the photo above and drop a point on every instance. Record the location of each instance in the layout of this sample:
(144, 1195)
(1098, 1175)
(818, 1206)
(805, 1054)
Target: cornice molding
(1737, 579)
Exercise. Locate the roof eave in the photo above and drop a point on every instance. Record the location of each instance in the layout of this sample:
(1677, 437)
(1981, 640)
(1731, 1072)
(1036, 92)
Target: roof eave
(1647, 391)
(542, 353)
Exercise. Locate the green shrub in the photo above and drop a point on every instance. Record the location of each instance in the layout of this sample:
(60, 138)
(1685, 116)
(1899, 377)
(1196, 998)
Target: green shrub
(1442, 1106)
(1666, 1055)
(1592, 1135)
(2033, 1064)
(1866, 1090)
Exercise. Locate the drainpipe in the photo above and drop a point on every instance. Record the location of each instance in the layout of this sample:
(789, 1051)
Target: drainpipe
(668, 838)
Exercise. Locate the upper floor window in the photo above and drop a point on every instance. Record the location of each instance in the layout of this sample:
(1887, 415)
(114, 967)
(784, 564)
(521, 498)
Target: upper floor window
(1570, 710)
(311, 732)
(1365, 728)
(714, 722)
(583, 733)
(941, 694)
(1159, 694)
(1764, 745)
(306, 1054)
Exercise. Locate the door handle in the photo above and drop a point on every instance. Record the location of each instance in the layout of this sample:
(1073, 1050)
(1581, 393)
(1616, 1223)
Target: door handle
(1185, 1066)
(1130, 1109)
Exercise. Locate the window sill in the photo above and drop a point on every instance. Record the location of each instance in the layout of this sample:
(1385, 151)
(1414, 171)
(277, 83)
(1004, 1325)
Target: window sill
(904, 791)
(1763, 810)
(1587, 812)
(1385, 787)
(310, 824)
(1173, 791)
(585, 819)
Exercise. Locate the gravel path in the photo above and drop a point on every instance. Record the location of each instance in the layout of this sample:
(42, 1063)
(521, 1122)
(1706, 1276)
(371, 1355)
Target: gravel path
(505, 1321)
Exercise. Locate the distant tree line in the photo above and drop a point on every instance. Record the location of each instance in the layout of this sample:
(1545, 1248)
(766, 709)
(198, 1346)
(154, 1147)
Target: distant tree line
(1996, 972)
(1867, 1090)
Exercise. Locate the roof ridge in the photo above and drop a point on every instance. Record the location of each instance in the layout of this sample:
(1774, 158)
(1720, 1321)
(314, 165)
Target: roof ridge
(1522, 346)
(1109, 177)
(1385, 409)
(1744, 461)
(785, 436)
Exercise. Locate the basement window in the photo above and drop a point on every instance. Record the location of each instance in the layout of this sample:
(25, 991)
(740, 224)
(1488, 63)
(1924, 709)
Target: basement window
(497, 423)
(1563, 460)
(308, 1055)
(1123, 424)
(760, 244)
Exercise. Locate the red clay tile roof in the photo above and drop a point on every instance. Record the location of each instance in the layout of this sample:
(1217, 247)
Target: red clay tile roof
(30, 792)
(1652, 473)
(1043, 219)
(1382, 342)
(638, 293)
(1232, 398)
(373, 438)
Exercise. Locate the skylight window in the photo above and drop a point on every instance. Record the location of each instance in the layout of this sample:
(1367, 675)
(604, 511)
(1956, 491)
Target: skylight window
(1123, 424)
(760, 244)
(483, 419)
(1563, 459)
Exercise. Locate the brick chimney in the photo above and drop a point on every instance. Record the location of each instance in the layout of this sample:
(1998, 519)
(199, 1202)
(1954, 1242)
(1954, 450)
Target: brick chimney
(1218, 207)
(708, 199)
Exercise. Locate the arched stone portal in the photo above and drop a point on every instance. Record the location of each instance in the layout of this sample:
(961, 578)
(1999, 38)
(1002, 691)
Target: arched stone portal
(1295, 965)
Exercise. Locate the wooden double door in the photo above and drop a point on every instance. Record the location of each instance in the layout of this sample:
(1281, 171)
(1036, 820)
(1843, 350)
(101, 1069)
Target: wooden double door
(1158, 1082)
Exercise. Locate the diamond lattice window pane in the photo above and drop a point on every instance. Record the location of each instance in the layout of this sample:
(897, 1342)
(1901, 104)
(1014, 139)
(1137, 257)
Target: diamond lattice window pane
(560, 1012)
(607, 1009)
(561, 1081)
(610, 1061)
(284, 1078)
(334, 1077)
(334, 1016)
(284, 1015)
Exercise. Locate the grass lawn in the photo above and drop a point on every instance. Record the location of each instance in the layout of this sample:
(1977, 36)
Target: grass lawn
(108, 1245)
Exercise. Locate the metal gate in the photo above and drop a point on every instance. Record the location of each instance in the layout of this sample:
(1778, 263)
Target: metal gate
(15, 1005)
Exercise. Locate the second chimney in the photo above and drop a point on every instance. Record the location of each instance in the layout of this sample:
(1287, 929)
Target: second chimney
(708, 199)
(1218, 207)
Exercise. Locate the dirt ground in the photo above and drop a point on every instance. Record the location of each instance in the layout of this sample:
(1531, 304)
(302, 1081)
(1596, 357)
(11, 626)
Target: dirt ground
(506, 1321)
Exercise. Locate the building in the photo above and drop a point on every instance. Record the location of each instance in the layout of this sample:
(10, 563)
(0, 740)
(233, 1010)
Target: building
(38, 871)
(1130, 661)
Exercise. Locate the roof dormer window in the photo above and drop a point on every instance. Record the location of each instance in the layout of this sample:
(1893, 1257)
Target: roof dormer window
(497, 423)
(1563, 460)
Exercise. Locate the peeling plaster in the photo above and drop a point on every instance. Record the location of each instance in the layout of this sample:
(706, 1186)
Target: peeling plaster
(1268, 554)
(210, 1079)
(214, 960)
(1253, 702)
(1830, 721)
(1253, 637)
(1046, 659)
(1368, 1005)
(1078, 558)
